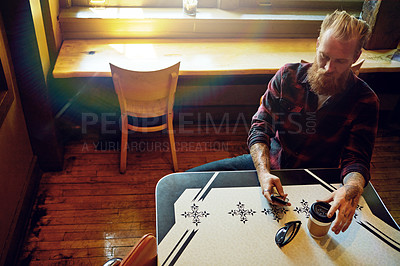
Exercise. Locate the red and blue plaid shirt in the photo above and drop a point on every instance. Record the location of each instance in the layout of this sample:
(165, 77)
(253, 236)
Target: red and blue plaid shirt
(339, 134)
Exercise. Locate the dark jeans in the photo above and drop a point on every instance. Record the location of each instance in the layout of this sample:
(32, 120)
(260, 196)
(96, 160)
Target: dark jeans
(242, 162)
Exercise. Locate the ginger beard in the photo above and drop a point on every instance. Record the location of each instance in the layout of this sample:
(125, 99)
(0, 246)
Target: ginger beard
(326, 84)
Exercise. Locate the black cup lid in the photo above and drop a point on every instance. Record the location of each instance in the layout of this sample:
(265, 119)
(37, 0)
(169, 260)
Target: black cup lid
(319, 211)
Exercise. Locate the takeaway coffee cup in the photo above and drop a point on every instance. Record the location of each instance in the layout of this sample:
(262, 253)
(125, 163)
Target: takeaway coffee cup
(319, 223)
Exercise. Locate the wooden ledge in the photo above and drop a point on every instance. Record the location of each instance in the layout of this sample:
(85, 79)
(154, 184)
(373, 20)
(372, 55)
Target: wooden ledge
(91, 58)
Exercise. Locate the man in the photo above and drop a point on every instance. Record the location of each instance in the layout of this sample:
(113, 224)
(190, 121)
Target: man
(317, 115)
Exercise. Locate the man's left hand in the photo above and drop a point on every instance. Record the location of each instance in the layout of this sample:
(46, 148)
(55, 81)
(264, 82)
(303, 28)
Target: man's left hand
(345, 199)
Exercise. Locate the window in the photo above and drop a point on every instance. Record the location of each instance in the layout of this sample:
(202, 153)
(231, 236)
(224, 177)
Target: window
(141, 3)
(340, 4)
(214, 18)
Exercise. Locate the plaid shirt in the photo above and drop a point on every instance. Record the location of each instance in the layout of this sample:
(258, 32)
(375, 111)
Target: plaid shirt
(339, 134)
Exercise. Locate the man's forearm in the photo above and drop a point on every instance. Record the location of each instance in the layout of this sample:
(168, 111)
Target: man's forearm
(260, 155)
(269, 182)
(354, 178)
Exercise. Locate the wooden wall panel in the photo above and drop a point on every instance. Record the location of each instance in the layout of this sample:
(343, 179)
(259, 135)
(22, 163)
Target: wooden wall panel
(16, 161)
(31, 76)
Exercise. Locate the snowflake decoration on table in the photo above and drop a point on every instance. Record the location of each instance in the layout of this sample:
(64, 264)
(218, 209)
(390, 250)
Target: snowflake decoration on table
(277, 212)
(304, 208)
(195, 214)
(359, 208)
(242, 212)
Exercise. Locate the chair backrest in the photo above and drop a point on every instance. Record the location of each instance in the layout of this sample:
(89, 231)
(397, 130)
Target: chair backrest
(144, 253)
(145, 93)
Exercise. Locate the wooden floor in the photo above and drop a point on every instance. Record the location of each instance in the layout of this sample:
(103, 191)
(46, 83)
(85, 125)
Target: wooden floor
(89, 212)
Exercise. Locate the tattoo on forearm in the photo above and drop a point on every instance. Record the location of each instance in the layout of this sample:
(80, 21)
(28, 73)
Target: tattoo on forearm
(352, 193)
(259, 153)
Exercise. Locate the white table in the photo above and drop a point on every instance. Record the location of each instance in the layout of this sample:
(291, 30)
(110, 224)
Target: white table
(222, 218)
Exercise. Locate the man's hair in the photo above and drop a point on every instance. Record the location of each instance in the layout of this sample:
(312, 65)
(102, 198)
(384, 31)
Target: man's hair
(346, 27)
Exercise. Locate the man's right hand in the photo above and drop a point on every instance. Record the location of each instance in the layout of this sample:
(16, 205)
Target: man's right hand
(268, 182)
(260, 155)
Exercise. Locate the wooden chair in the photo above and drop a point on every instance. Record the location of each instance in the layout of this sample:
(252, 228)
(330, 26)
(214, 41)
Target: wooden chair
(144, 253)
(146, 95)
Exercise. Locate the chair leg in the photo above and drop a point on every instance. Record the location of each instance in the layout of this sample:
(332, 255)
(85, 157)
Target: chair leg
(172, 144)
(124, 146)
